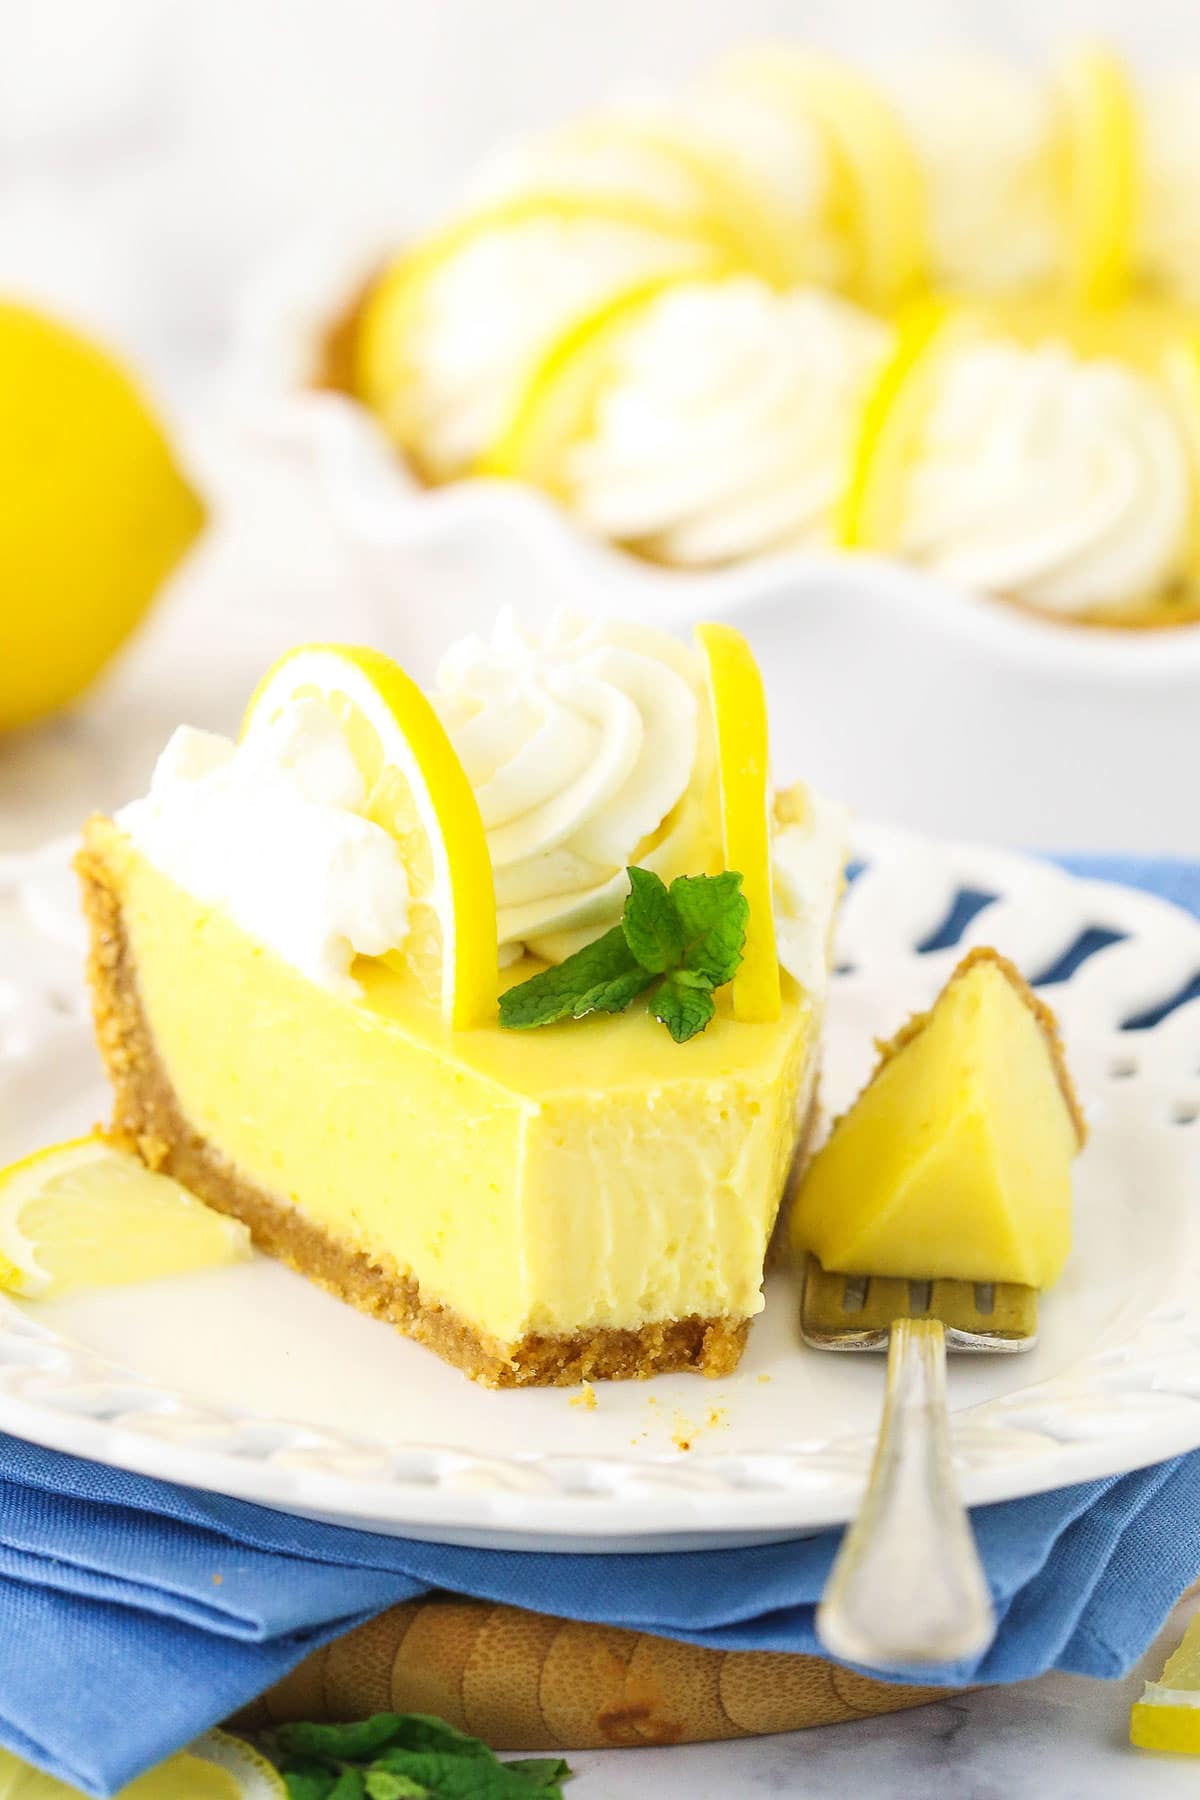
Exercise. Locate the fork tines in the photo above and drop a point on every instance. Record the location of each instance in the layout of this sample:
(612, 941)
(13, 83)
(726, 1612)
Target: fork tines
(856, 1312)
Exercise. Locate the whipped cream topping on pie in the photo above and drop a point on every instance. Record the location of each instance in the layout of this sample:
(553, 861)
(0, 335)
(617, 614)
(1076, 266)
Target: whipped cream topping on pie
(487, 312)
(270, 831)
(725, 427)
(589, 748)
(1058, 482)
(586, 748)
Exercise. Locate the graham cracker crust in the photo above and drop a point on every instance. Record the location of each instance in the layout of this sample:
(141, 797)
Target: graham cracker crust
(148, 1119)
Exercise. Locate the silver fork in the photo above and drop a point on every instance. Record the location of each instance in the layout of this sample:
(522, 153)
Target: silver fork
(907, 1585)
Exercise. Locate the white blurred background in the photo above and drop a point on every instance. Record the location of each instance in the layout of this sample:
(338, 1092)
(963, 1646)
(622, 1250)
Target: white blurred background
(153, 151)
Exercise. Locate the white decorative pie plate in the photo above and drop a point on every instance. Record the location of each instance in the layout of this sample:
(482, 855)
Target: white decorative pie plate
(253, 1383)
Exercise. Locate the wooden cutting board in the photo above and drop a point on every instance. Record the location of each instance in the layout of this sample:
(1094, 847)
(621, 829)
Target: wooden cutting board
(525, 1681)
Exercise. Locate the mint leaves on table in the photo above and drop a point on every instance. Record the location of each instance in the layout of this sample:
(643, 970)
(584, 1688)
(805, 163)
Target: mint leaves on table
(681, 941)
(404, 1756)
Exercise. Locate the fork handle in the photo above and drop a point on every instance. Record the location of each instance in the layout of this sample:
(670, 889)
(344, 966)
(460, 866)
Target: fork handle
(907, 1585)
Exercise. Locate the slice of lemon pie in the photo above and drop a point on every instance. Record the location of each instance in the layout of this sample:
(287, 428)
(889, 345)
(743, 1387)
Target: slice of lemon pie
(458, 1000)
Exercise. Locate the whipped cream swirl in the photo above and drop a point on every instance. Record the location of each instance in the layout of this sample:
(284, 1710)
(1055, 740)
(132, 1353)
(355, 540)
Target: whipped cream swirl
(485, 316)
(1058, 482)
(725, 429)
(589, 748)
(269, 831)
(587, 751)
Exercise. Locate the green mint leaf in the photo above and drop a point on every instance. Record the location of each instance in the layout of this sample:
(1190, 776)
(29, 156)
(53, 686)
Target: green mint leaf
(423, 1731)
(691, 934)
(309, 1781)
(357, 1742)
(684, 1004)
(351, 1785)
(714, 913)
(405, 1756)
(457, 1777)
(581, 984)
(382, 1784)
(653, 929)
(614, 996)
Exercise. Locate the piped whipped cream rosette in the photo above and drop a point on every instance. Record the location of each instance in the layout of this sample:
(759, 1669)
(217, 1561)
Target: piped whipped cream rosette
(450, 333)
(1058, 482)
(589, 747)
(725, 427)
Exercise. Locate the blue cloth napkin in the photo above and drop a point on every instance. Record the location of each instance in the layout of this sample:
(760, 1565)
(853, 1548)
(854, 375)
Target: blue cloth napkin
(134, 1613)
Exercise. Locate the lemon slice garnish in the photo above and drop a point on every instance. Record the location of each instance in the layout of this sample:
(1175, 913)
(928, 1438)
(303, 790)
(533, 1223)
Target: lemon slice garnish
(739, 714)
(384, 369)
(556, 402)
(1100, 152)
(216, 1767)
(1167, 1717)
(86, 1214)
(889, 430)
(879, 190)
(256, 1778)
(1180, 368)
(94, 516)
(418, 791)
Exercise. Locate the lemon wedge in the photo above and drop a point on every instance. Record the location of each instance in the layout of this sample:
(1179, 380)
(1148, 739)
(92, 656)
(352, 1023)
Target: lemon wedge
(556, 402)
(418, 792)
(889, 430)
(1100, 155)
(739, 714)
(95, 512)
(87, 1214)
(879, 190)
(216, 1767)
(1167, 1717)
(384, 371)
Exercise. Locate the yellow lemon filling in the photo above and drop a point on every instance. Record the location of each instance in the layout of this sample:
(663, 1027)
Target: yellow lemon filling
(592, 1174)
(955, 1160)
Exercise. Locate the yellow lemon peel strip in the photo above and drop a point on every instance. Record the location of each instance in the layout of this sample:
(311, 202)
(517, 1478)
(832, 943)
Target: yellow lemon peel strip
(739, 712)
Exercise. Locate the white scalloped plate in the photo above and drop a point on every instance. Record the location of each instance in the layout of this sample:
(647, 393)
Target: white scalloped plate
(251, 1382)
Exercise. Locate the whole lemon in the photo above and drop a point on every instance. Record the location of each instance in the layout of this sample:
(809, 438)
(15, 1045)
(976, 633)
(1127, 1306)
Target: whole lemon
(94, 512)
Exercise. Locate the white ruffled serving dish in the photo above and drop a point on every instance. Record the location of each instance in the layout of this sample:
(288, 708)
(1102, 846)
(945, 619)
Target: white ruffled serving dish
(911, 698)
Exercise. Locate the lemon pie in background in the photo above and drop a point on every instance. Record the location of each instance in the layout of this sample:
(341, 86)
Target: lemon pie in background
(688, 319)
(298, 943)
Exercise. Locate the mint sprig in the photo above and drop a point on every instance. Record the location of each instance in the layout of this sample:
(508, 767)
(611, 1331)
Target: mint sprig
(681, 942)
(404, 1756)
